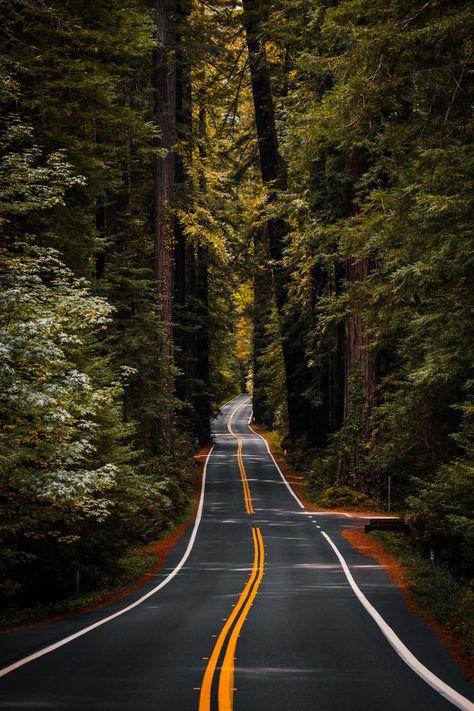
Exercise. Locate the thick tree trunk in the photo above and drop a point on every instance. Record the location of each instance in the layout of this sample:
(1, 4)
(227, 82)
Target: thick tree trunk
(320, 385)
(263, 297)
(164, 179)
(202, 400)
(360, 367)
(191, 261)
(184, 258)
(274, 176)
(357, 341)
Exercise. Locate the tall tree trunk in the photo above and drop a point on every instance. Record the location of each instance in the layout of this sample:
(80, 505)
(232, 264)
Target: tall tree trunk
(202, 397)
(184, 271)
(319, 415)
(263, 298)
(360, 367)
(274, 176)
(164, 80)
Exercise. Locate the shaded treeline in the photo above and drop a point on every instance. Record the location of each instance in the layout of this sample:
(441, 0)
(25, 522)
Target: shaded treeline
(117, 314)
(363, 112)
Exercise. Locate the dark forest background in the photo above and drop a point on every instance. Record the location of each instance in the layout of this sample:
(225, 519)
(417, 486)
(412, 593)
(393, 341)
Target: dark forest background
(202, 198)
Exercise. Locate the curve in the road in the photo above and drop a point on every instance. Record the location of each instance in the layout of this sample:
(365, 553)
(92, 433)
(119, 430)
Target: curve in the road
(240, 461)
(401, 649)
(349, 646)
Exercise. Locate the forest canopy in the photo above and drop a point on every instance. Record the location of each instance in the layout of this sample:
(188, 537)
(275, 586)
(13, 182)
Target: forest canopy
(202, 198)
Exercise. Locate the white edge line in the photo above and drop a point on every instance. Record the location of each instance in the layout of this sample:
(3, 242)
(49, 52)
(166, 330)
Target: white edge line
(454, 697)
(229, 401)
(50, 648)
(435, 682)
(231, 417)
(300, 504)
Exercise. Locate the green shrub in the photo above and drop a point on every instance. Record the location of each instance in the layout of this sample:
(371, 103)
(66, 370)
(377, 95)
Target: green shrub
(344, 497)
(321, 475)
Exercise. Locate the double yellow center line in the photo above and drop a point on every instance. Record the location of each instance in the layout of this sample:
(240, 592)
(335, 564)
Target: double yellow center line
(243, 476)
(229, 635)
(231, 630)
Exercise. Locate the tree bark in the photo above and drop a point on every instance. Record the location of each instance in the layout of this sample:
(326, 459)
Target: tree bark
(274, 177)
(263, 297)
(357, 341)
(184, 258)
(357, 356)
(202, 398)
(202, 401)
(164, 80)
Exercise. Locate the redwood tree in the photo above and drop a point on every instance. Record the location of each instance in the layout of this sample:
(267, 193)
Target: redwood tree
(164, 81)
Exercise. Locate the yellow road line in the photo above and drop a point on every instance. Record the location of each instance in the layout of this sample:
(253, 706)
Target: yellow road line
(205, 695)
(243, 476)
(226, 679)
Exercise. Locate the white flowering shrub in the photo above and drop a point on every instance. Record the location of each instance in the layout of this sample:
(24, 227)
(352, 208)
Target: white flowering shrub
(61, 434)
(53, 407)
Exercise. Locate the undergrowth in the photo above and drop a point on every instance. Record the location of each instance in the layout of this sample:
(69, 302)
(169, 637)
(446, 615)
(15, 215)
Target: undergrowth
(447, 601)
(336, 497)
(130, 567)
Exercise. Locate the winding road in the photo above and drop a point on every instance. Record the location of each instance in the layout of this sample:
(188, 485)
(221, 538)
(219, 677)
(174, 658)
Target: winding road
(262, 606)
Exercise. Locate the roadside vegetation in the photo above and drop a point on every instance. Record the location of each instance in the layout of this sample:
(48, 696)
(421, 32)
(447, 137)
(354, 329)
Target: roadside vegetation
(103, 404)
(443, 597)
(129, 568)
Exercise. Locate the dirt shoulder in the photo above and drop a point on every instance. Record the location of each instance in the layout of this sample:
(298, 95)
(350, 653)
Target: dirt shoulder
(375, 550)
(399, 575)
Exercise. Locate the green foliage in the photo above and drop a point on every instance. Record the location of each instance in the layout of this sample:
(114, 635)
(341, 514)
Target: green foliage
(71, 498)
(70, 71)
(391, 83)
(321, 471)
(443, 513)
(60, 444)
(82, 475)
(273, 376)
(343, 497)
(350, 441)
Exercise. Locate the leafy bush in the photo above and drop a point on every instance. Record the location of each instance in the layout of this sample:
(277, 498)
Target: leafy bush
(62, 449)
(344, 497)
(321, 474)
(443, 514)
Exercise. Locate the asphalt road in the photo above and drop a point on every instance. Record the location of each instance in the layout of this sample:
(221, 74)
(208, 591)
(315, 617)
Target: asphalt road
(260, 617)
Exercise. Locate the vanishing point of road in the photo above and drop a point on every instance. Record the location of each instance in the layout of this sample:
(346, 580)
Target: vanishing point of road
(262, 606)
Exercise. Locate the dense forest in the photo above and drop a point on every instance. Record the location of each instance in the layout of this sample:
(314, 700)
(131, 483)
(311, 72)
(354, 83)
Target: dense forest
(199, 199)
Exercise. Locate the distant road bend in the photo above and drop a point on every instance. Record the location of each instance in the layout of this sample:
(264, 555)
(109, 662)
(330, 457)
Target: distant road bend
(263, 606)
